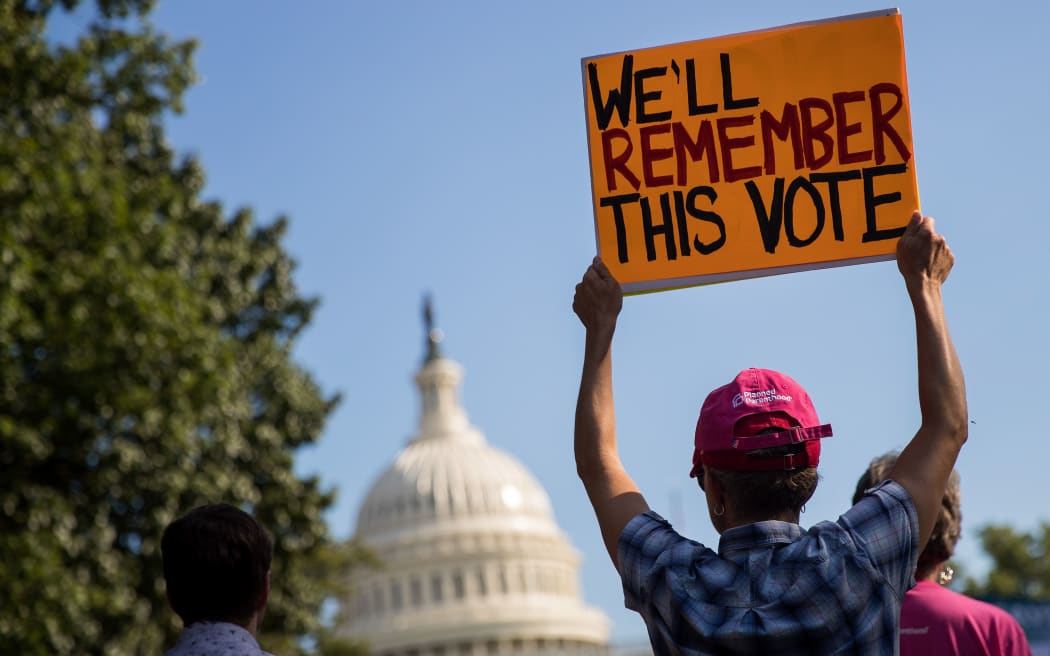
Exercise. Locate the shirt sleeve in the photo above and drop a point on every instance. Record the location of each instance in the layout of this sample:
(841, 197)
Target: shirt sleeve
(651, 554)
(884, 527)
(641, 542)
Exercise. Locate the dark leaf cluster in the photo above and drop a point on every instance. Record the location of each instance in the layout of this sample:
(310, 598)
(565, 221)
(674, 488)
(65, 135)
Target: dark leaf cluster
(1020, 564)
(145, 348)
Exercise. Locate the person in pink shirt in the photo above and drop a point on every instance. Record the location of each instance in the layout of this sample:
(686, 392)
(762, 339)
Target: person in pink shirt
(934, 619)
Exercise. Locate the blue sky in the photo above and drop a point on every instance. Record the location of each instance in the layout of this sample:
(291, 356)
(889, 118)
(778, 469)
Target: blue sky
(440, 146)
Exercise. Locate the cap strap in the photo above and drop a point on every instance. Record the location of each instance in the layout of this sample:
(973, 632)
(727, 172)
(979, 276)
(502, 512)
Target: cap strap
(743, 461)
(783, 438)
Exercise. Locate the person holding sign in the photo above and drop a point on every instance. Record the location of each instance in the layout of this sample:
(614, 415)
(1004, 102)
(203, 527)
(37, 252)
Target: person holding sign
(935, 619)
(772, 588)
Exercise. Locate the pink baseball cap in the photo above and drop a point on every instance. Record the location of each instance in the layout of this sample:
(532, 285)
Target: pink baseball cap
(757, 399)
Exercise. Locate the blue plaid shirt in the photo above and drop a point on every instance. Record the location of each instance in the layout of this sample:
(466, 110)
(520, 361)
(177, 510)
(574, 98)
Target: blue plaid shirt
(772, 589)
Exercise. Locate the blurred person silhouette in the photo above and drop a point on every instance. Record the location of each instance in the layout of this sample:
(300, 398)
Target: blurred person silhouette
(772, 588)
(934, 619)
(217, 571)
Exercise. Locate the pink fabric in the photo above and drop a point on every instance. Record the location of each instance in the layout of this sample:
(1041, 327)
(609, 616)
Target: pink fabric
(935, 621)
(756, 399)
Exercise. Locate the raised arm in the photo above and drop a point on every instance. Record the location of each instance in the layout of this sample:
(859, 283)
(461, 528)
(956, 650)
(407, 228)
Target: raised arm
(613, 494)
(925, 260)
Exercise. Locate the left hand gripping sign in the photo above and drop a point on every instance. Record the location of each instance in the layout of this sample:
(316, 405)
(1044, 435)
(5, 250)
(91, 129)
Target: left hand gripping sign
(754, 154)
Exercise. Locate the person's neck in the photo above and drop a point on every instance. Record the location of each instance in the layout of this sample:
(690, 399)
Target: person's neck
(932, 574)
(253, 625)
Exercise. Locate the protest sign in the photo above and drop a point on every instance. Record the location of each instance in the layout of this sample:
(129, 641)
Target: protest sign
(753, 154)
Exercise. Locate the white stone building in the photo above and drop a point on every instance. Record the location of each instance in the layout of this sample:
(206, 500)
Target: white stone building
(473, 561)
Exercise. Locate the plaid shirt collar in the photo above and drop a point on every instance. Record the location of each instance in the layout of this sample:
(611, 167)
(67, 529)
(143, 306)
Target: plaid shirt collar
(750, 536)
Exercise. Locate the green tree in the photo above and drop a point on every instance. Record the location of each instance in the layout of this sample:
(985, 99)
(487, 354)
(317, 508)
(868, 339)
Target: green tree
(1020, 563)
(145, 348)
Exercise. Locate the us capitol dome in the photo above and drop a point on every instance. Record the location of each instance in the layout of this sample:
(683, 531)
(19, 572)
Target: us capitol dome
(472, 561)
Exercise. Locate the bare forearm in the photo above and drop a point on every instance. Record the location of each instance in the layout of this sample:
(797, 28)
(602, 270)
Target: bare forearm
(613, 494)
(942, 391)
(925, 464)
(922, 469)
(595, 434)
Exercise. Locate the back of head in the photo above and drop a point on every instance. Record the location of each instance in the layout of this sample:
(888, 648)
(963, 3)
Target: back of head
(946, 530)
(216, 564)
(760, 435)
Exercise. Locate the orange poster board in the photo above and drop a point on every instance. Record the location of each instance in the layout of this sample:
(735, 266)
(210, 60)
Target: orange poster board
(753, 154)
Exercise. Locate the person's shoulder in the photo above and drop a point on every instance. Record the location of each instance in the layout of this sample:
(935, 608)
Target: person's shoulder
(881, 505)
(947, 601)
(885, 504)
(207, 638)
(888, 493)
(1000, 615)
(994, 623)
(881, 531)
(648, 536)
(1000, 627)
(644, 526)
(654, 559)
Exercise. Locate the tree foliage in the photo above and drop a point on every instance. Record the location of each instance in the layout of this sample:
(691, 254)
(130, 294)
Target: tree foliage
(145, 341)
(1020, 563)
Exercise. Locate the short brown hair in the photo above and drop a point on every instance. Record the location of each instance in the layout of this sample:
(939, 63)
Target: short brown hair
(946, 530)
(216, 561)
(769, 493)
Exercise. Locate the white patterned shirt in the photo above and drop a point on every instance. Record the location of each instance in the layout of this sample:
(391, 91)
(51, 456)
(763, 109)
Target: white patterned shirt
(216, 639)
